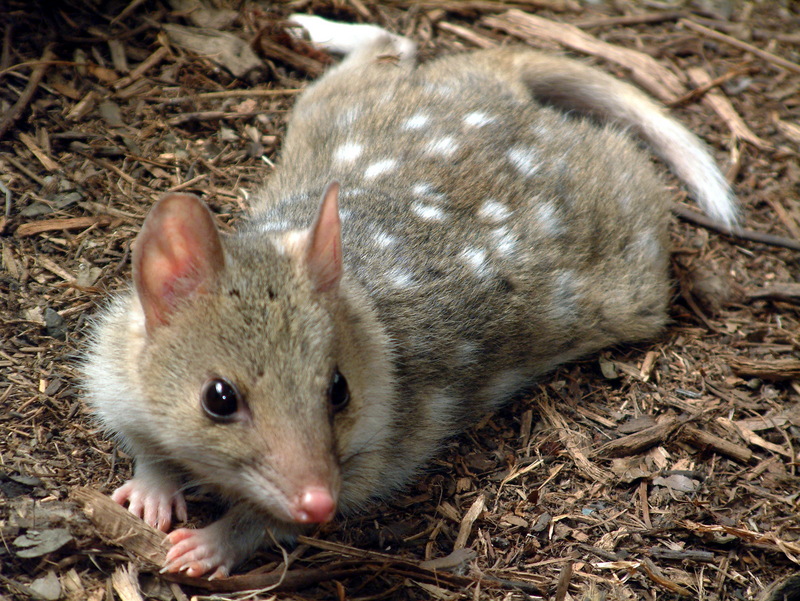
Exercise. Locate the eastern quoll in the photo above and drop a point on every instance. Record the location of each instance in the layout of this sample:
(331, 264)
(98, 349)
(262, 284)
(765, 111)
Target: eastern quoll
(435, 237)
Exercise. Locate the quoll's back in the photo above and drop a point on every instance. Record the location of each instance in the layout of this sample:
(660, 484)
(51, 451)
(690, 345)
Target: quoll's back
(497, 237)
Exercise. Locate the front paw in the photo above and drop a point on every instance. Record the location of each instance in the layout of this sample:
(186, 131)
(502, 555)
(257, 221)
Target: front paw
(218, 548)
(154, 503)
(198, 552)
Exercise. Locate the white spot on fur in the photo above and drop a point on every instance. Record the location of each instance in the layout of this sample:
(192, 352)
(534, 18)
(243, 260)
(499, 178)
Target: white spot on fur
(380, 167)
(504, 384)
(540, 130)
(440, 410)
(476, 258)
(494, 211)
(466, 352)
(383, 239)
(548, 220)
(400, 278)
(446, 146)
(428, 212)
(565, 294)
(416, 121)
(425, 189)
(524, 159)
(506, 242)
(645, 246)
(349, 152)
(478, 119)
(439, 89)
(351, 192)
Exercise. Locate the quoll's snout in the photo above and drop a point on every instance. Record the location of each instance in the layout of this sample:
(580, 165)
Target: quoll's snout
(315, 505)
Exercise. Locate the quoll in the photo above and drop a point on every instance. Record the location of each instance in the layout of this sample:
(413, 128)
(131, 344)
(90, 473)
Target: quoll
(483, 218)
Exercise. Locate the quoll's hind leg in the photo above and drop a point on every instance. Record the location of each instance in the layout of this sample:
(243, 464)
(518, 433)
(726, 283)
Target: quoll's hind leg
(374, 58)
(359, 42)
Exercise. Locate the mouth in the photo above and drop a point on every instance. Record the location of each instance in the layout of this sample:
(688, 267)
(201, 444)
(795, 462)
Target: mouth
(311, 503)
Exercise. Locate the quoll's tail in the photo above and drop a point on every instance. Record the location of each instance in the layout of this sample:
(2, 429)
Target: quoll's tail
(572, 85)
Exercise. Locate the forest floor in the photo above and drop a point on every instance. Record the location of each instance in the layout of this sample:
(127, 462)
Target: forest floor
(665, 470)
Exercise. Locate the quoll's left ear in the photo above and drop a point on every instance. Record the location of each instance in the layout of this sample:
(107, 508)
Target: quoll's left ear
(324, 250)
(177, 254)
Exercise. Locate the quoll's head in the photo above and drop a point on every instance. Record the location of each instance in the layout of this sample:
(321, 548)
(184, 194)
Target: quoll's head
(241, 356)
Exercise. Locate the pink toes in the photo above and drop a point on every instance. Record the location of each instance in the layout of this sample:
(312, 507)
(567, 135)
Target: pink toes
(197, 552)
(154, 504)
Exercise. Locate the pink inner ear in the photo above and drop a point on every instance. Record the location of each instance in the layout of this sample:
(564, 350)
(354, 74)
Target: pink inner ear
(324, 253)
(178, 253)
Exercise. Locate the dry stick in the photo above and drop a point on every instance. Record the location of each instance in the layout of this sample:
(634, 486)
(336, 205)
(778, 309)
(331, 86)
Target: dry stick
(5, 56)
(467, 34)
(631, 20)
(720, 104)
(147, 64)
(691, 216)
(721, 37)
(636, 443)
(563, 582)
(716, 82)
(223, 94)
(700, 438)
(211, 116)
(27, 94)
(786, 292)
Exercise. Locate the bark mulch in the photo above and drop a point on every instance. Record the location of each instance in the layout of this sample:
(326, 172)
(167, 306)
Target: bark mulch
(665, 470)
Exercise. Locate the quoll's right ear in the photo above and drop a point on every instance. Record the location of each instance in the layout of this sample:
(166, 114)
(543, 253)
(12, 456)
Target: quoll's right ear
(177, 254)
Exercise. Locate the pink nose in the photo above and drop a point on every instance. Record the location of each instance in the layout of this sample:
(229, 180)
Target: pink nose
(316, 505)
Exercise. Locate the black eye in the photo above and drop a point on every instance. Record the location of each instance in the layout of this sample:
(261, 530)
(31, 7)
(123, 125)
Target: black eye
(338, 392)
(220, 399)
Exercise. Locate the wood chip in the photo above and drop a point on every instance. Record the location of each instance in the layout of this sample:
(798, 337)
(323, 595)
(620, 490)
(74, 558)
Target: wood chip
(468, 520)
(40, 154)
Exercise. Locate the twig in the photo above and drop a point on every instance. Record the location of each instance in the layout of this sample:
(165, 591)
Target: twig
(223, 94)
(720, 104)
(638, 442)
(631, 20)
(211, 116)
(467, 34)
(69, 223)
(705, 440)
(691, 216)
(27, 94)
(701, 90)
(721, 37)
(7, 194)
(147, 64)
(784, 292)
(774, 369)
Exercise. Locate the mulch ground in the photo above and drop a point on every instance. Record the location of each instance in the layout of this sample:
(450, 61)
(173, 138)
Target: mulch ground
(659, 471)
